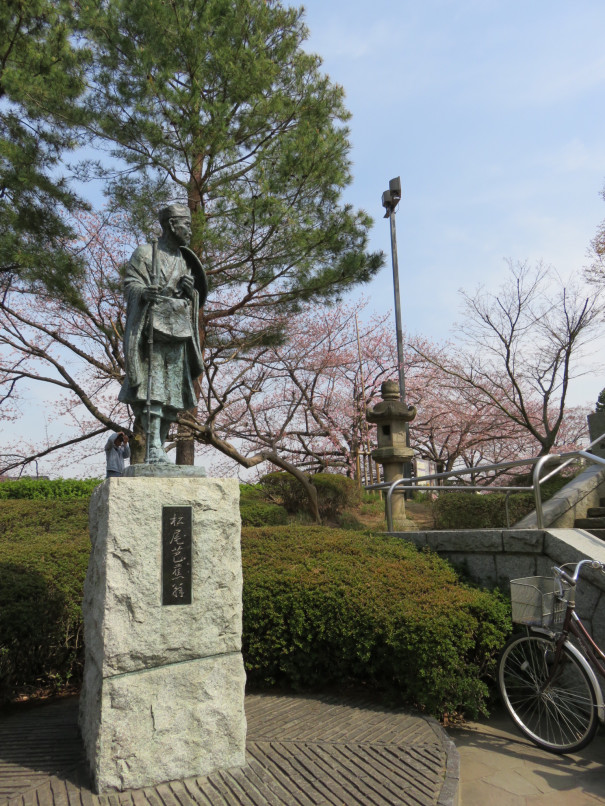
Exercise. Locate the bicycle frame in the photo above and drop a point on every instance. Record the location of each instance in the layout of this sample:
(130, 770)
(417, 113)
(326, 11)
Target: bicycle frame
(590, 652)
(593, 651)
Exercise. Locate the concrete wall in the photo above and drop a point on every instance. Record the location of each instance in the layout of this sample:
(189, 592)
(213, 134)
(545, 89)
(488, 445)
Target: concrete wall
(495, 556)
(572, 501)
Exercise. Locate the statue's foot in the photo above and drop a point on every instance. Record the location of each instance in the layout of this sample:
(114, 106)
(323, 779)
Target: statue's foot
(157, 456)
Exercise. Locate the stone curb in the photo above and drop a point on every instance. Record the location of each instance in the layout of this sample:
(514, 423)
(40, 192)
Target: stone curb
(450, 791)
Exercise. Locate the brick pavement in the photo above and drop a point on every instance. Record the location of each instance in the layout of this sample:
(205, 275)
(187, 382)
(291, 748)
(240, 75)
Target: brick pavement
(303, 751)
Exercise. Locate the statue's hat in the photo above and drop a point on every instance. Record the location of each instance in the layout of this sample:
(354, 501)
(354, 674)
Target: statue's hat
(173, 211)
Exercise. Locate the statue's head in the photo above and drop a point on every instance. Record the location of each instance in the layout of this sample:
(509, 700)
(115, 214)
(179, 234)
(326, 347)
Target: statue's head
(176, 223)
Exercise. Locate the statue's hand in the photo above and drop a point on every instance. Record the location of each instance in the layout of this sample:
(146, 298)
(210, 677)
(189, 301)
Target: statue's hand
(186, 285)
(151, 293)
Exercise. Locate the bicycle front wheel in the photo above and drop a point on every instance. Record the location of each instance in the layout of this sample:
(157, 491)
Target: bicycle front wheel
(554, 705)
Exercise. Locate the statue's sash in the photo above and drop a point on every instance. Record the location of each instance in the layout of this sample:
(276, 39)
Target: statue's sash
(172, 319)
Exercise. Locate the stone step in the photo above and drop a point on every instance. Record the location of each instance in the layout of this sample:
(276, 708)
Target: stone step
(600, 533)
(596, 512)
(589, 523)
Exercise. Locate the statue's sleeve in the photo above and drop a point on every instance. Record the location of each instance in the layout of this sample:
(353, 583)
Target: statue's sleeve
(138, 275)
(136, 279)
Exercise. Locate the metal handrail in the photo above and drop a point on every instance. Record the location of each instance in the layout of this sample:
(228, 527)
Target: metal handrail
(539, 462)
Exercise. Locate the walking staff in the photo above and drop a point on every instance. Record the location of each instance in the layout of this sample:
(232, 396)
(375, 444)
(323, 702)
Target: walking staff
(154, 283)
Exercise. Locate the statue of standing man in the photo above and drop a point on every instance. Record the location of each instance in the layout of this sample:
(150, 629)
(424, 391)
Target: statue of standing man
(165, 287)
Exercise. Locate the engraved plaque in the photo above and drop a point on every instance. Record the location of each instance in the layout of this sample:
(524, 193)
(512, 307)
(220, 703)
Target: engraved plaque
(176, 555)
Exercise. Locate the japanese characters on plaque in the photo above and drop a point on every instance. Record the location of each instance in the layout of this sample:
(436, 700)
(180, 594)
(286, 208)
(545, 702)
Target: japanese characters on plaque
(176, 555)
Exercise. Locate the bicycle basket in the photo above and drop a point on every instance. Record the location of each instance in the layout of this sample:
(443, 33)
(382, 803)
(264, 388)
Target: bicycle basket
(538, 601)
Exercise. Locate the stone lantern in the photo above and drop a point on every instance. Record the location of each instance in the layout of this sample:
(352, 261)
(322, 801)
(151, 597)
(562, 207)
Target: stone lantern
(390, 417)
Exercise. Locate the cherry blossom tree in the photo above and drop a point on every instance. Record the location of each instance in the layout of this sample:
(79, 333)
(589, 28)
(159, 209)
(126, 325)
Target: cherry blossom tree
(297, 404)
(74, 349)
(517, 350)
(77, 351)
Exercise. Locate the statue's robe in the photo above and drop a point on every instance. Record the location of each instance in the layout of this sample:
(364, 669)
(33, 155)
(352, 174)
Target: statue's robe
(176, 356)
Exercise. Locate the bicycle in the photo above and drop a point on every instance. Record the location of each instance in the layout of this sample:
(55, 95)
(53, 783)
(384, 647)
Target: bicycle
(548, 683)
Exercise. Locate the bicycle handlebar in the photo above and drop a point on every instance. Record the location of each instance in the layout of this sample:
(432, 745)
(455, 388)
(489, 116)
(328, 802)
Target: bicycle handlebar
(572, 580)
(564, 575)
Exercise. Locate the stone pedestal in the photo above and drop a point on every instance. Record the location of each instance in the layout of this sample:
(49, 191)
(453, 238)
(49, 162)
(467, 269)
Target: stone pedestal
(163, 694)
(392, 471)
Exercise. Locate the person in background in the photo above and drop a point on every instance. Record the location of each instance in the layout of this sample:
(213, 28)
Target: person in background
(116, 450)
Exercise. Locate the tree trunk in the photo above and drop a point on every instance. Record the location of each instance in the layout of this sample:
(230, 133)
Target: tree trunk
(185, 438)
(210, 438)
(137, 443)
(311, 491)
(440, 468)
(185, 443)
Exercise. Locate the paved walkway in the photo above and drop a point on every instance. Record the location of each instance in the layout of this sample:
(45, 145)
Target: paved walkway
(316, 750)
(499, 767)
(301, 751)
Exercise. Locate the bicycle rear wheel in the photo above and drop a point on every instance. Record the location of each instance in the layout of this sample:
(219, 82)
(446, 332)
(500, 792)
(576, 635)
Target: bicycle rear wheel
(554, 707)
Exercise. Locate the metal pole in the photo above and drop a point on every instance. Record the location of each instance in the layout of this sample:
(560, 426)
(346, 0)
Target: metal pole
(398, 327)
(542, 461)
(407, 467)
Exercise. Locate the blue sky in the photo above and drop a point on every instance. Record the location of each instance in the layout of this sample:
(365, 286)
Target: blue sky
(492, 114)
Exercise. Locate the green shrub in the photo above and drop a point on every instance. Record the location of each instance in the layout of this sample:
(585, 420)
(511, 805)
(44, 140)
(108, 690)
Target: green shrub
(460, 510)
(255, 510)
(258, 513)
(549, 488)
(335, 493)
(44, 550)
(251, 492)
(328, 607)
(284, 488)
(321, 607)
(44, 488)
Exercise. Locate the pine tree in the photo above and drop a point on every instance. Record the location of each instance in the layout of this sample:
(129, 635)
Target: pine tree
(40, 76)
(216, 104)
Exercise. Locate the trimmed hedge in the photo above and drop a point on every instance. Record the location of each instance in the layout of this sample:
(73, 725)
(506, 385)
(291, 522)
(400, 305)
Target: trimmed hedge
(329, 607)
(335, 493)
(460, 510)
(321, 607)
(468, 510)
(66, 489)
(44, 548)
(257, 513)
(255, 510)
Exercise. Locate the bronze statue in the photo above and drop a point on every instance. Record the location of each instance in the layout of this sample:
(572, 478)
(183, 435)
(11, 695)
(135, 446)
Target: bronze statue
(165, 286)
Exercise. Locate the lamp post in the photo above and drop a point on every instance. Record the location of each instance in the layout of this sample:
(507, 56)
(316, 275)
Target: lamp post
(390, 201)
